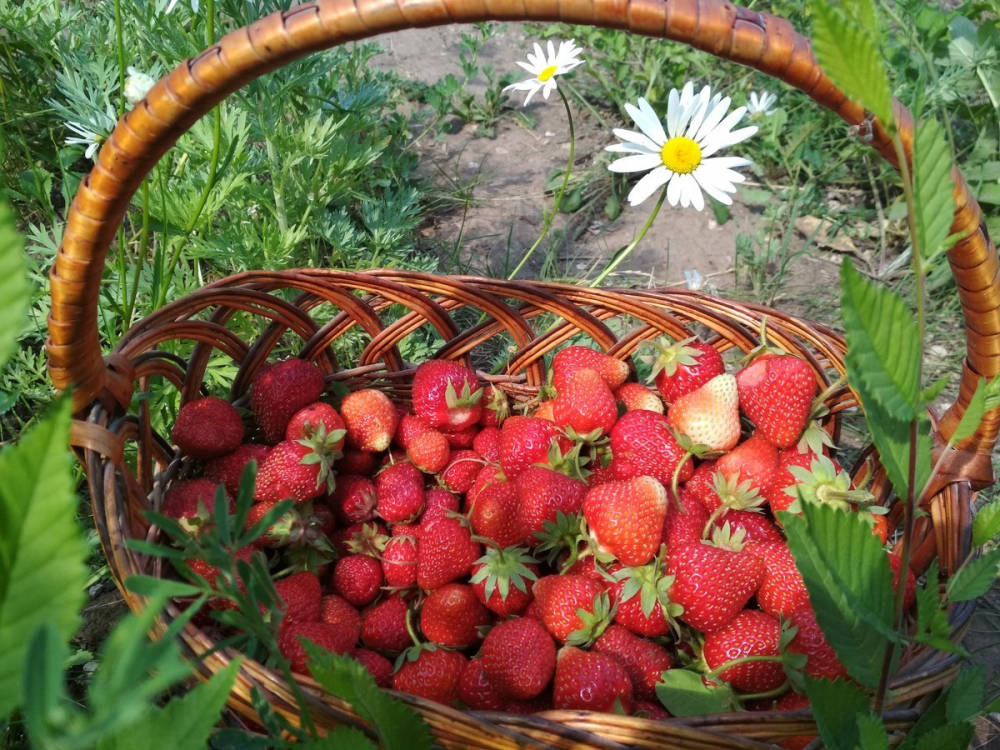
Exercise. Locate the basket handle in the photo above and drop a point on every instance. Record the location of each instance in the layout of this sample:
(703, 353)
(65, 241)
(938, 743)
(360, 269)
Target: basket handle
(177, 101)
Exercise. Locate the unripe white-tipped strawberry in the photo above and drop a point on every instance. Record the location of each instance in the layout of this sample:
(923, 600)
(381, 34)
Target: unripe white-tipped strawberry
(709, 416)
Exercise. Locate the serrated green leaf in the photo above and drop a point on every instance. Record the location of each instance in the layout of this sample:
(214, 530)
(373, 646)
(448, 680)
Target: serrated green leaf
(14, 288)
(836, 705)
(883, 357)
(850, 57)
(965, 696)
(42, 552)
(44, 694)
(949, 736)
(986, 524)
(864, 12)
(849, 581)
(934, 202)
(160, 587)
(683, 693)
(932, 718)
(871, 733)
(974, 578)
(931, 392)
(969, 422)
(932, 619)
(344, 738)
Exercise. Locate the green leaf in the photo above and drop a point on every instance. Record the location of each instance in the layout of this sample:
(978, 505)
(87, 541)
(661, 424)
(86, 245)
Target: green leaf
(932, 718)
(683, 693)
(849, 55)
(932, 619)
(883, 357)
(42, 552)
(344, 738)
(15, 290)
(986, 524)
(934, 202)
(965, 696)
(849, 581)
(871, 733)
(948, 736)
(44, 694)
(836, 706)
(969, 422)
(160, 587)
(974, 578)
(864, 12)
(931, 392)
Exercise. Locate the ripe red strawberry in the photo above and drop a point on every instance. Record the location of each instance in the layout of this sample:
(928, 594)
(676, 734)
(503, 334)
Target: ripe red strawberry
(525, 441)
(713, 583)
(353, 499)
(409, 427)
(809, 640)
(910, 592)
(278, 533)
(488, 474)
(460, 473)
(585, 404)
(750, 633)
(377, 665)
(461, 440)
(211, 573)
(503, 580)
(575, 358)
(400, 492)
(429, 451)
(880, 525)
(371, 420)
(637, 396)
(782, 591)
(776, 393)
(357, 462)
(307, 422)
(589, 681)
(493, 514)
(756, 525)
(495, 407)
(754, 460)
(687, 527)
(300, 596)
(534, 706)
(399, 562)
(543, 494)
(357, 578)
(643, 601)
(280, 391)
(487, 444)
(574, 608)
(684, 366)
(519, 658)
(644, 660)
(795, 472)
(649, 710)
(546, 411)
(447, 395)
(295, 470)
(452, 615)
(433, 675)
(600, 474)
(446, 553)
(438, 503)
(191, 501)
(335, 610)
(626, 518)
(326, 636)
(643, 445)
(383, 626)
(359, 538)
(475, 691)
(229, 468)
(710, 415)
(793, 702)
(207, 428)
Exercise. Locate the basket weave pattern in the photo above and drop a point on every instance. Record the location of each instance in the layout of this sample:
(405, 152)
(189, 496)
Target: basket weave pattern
(304, 312)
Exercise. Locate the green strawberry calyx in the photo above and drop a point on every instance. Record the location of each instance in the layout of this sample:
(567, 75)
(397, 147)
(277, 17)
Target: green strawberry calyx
(503, 567)
(727, 538)
(795, 663)
(595, 621)
(735, 495)
(566, 532)
(672, 354)
(652, 586)
(325, 453)
(464, 400)
(369, 541)
(822, 483)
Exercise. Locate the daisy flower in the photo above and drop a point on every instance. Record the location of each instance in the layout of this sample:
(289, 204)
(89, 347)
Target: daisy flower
(90, 134)
(546, 68)
(137, 85)
(697, 127)
(764, 104)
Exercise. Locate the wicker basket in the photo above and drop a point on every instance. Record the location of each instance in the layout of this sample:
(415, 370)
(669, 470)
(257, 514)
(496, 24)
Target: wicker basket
(314, 307)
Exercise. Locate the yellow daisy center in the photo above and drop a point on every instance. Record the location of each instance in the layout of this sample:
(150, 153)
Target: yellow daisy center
(547, 73)
(681, 154)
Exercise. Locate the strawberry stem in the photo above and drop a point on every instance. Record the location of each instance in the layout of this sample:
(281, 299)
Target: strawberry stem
(410, 629)
(776, 693)
(818, 402)
(675, 480)
(711, 521)
(741, 660)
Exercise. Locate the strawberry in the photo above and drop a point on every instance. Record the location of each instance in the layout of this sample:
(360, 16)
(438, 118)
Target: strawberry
(371, 420)
(776, 393)
(585, 404)
(228, 469)
(910, 592)
(438, 503)
(452, 615)
(626, 518)
(589, 681)
(400, 492)
(493, 514)
(808, 639)
(643, 445)
(575, 609)
(713, 582)
(295, 469)
(446, 395)
(525, 441)
(461, 440)
(754, 460)
(525, 708)
(649, 710)
(687, 524)
(354, 498)
(793, 702)
(519, 658)
(447, 552)
(880, 525)
(495, 407)
(429, 451)
(644, 661)
(383, 626)
(207, 428)
(504, 579)
(487, 444)
(307, 422)
(546, 411)
(635, 396)
(410, 426)
(750, 633)
(710, 415)
(433, 674)
(278, 533)
(357, 578)
(300, 596)
(461, 470)
(377, 665)
(684, 366)
(328, 637)
(358, 538)
(475, 691)
(281, 390)
(357, 462)
(544, 494)
(782, 591)
(335, 610)
(756, 526)
(821, 480)
(192, 502)
(643, 600)
(600, 475)
(399, 562)
(567, 361)
(211, 573)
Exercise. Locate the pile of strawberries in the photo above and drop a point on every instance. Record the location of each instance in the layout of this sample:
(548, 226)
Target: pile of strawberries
(565, 557)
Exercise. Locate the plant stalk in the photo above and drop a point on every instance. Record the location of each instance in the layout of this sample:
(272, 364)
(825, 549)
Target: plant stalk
(627, 250)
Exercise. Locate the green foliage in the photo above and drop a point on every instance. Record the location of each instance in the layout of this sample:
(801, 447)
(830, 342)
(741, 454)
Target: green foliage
(684, 693)
(933, 627)
(933, 201)
(840, 708)
(986, 524)
(975, 577)
(13, 283)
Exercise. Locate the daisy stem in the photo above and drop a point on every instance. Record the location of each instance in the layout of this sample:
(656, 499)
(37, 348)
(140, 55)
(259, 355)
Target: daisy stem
(122, 273)
(627, 250)
(562, 189)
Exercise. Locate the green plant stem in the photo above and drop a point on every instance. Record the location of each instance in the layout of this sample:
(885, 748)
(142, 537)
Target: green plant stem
(562, 189)
(740, 661)
(141, 260)
(122, 272)
(776, 693)
(627, 250)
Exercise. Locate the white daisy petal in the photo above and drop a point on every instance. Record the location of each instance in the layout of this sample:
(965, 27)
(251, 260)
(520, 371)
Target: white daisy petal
(656, 127)
(549, 67)
(637, 138)
(693, 190)
(631, 148)
(674, 108)
(715, 192)
(698, 114)
(674, 190)
(715, 141)
(639, 118)
(713, 118)
(724, 179)
(636, 163)
(729, 162)
(648, 185)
